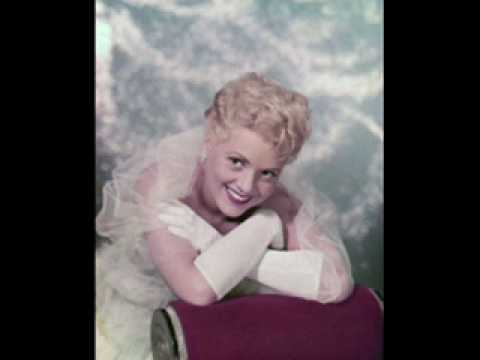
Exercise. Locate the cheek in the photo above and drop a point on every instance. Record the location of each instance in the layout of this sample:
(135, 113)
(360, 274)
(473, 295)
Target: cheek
(223, 175)
(217, 174)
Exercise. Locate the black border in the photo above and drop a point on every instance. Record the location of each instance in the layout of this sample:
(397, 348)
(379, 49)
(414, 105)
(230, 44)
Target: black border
(52, 144)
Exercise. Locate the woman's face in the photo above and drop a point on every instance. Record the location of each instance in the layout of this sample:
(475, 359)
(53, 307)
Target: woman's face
(239, 173)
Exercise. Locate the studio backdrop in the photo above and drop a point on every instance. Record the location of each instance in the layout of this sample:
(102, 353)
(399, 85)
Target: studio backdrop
(160, 62)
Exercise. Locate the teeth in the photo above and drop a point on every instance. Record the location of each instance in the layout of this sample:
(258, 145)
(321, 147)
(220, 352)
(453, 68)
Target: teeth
(237, 197)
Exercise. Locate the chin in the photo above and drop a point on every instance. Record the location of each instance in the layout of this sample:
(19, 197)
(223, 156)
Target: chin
(231, 211)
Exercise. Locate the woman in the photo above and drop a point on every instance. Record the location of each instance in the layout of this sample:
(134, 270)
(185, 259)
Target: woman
(204, 216)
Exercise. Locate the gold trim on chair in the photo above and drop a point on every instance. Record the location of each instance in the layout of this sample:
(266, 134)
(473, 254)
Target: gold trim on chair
(177, 327)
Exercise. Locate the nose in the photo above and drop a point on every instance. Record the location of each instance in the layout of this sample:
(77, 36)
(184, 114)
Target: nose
(246, 182)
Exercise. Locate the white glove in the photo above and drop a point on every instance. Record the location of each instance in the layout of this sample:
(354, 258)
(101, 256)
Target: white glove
(296, 273)
(182, 221)
(228, 260)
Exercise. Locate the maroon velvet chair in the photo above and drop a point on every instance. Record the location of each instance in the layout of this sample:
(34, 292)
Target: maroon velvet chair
(264, 327)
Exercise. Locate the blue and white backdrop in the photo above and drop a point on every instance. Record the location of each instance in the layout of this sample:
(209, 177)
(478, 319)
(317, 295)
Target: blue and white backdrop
(159, 63)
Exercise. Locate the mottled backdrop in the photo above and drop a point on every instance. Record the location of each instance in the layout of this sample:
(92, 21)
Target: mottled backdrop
(159, 63)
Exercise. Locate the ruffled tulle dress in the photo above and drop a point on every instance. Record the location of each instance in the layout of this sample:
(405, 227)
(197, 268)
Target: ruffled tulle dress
(129, 287)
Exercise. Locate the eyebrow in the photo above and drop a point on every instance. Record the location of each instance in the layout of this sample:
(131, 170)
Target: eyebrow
(277, 170)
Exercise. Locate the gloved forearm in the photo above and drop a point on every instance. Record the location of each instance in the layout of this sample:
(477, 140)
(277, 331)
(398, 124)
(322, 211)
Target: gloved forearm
(296, 273)
(228, 260)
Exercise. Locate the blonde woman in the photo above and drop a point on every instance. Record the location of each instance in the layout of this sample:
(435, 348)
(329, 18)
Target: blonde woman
(211, 213)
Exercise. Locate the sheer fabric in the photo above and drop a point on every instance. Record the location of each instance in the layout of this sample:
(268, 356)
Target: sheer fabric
(129, 286)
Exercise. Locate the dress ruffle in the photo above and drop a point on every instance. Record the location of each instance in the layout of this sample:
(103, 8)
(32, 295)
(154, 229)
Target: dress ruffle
(128, 285)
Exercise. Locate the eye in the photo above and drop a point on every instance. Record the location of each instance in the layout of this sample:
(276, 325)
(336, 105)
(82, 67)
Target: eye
(269, 174)
(236, 162)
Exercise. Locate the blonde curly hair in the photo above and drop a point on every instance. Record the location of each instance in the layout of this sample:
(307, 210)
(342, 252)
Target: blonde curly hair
(280, 116)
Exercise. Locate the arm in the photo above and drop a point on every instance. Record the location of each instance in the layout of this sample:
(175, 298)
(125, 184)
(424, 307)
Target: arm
(233, 256)
(202, 279)
(318, 271)
(172, 255)
(224, 261)
(310, 274)
(337, 283)
(222, 265)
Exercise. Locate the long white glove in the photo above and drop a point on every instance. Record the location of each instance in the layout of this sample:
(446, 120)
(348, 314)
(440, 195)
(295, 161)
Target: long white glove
(182, 221)
(296, 273)
(229, 258)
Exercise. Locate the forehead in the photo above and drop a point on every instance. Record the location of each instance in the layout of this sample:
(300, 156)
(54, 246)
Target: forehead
(252, 146)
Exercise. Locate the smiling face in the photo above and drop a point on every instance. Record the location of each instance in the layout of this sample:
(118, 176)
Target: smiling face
(240, 172)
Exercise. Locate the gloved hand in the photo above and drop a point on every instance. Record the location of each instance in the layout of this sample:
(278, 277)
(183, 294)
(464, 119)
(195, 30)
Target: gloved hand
(182, 221)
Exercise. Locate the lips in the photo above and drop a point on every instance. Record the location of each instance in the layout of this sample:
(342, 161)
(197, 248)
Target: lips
(235, 197)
